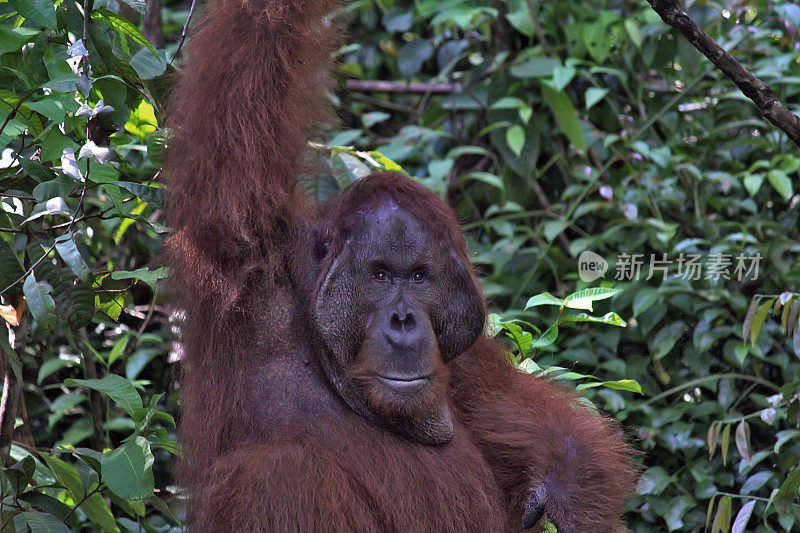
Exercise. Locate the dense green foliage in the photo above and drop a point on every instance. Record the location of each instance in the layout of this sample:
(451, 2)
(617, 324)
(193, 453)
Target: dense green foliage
(554, 129)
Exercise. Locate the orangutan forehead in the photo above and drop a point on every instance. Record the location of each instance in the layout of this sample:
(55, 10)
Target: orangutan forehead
(391, 230)
(390, 221)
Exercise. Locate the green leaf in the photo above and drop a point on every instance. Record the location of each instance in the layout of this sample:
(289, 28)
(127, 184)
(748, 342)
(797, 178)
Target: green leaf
(624, 384)
(128, 470)
(115, 387)
(562, 75)
(398, 20)
(612, 319)
(98, 512)
(55, 106)
(412, 55)
(753, 182)
(51, 366)
(725, 443)
(508, 102)
(67, 476)
(47, 504)
(355, 169)
(515, 137)
(594, 95)
(53, 206)
(485, 177)
(780, 182)
(543, 299)
(41, 304)
(440, 168)
(710, 510)
(164, 509)
(643, 300)
(654, 480)
(633, 32)
(529, 366)
(39, 12)
(522, 21)
(10, 267)
(151, 195)
(566, 116)
(385, 162)
(541, 67)
(62, 406)
(124, 27)
(144, 274)
(583, 299)
(788, 491)
(493, 326)
(44, 523)
(118, 349)
(722, 520)
(521, 337)
(147, 65)
(663, 341)
(59, 187)
(597, 39)
(111, 303)
(553, 228)
(759, 318)
(790, 12)
(69, 252)
(80, 305)
(375, 117)
(13, 39)
(547, 338)
(20, 473)
(156, 147)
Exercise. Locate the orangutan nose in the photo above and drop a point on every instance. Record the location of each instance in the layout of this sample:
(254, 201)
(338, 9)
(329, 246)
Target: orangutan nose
(402, 330)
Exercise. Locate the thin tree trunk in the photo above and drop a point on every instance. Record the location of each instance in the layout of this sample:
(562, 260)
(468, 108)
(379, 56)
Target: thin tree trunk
(12, 389)
(153, 27)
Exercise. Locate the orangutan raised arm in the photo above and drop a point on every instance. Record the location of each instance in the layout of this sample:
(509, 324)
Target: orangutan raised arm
(331, 376)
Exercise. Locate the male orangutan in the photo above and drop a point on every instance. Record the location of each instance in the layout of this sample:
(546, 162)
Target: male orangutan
(337, 376)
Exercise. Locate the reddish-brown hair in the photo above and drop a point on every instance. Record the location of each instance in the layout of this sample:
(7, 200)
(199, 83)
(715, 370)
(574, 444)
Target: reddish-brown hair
(243, 262)
(240, 116)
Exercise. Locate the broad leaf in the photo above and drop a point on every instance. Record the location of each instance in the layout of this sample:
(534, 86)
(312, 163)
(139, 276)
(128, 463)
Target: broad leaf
(115, 387)
(128, 470)
(583, 299)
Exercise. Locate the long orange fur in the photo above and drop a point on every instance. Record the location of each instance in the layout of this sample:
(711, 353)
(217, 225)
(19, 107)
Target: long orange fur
(242, 262)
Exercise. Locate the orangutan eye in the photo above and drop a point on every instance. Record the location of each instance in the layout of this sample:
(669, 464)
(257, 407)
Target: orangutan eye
(380, 275)
(418, 276)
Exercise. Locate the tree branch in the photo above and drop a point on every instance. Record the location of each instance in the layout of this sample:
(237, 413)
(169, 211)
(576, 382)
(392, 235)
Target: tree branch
(756, 90)
(153, 27)
(95, 399)
(12, 389)
(184, 32)
(382, 86)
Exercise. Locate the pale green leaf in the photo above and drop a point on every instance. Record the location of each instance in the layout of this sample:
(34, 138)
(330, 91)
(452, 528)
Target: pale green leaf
(583, 299)
(543, 299)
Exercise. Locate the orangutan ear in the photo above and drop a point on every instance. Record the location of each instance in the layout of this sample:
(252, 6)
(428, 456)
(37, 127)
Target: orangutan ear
(460, 315)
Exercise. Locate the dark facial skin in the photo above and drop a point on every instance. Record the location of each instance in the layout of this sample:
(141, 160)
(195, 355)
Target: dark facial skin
(393, 306)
